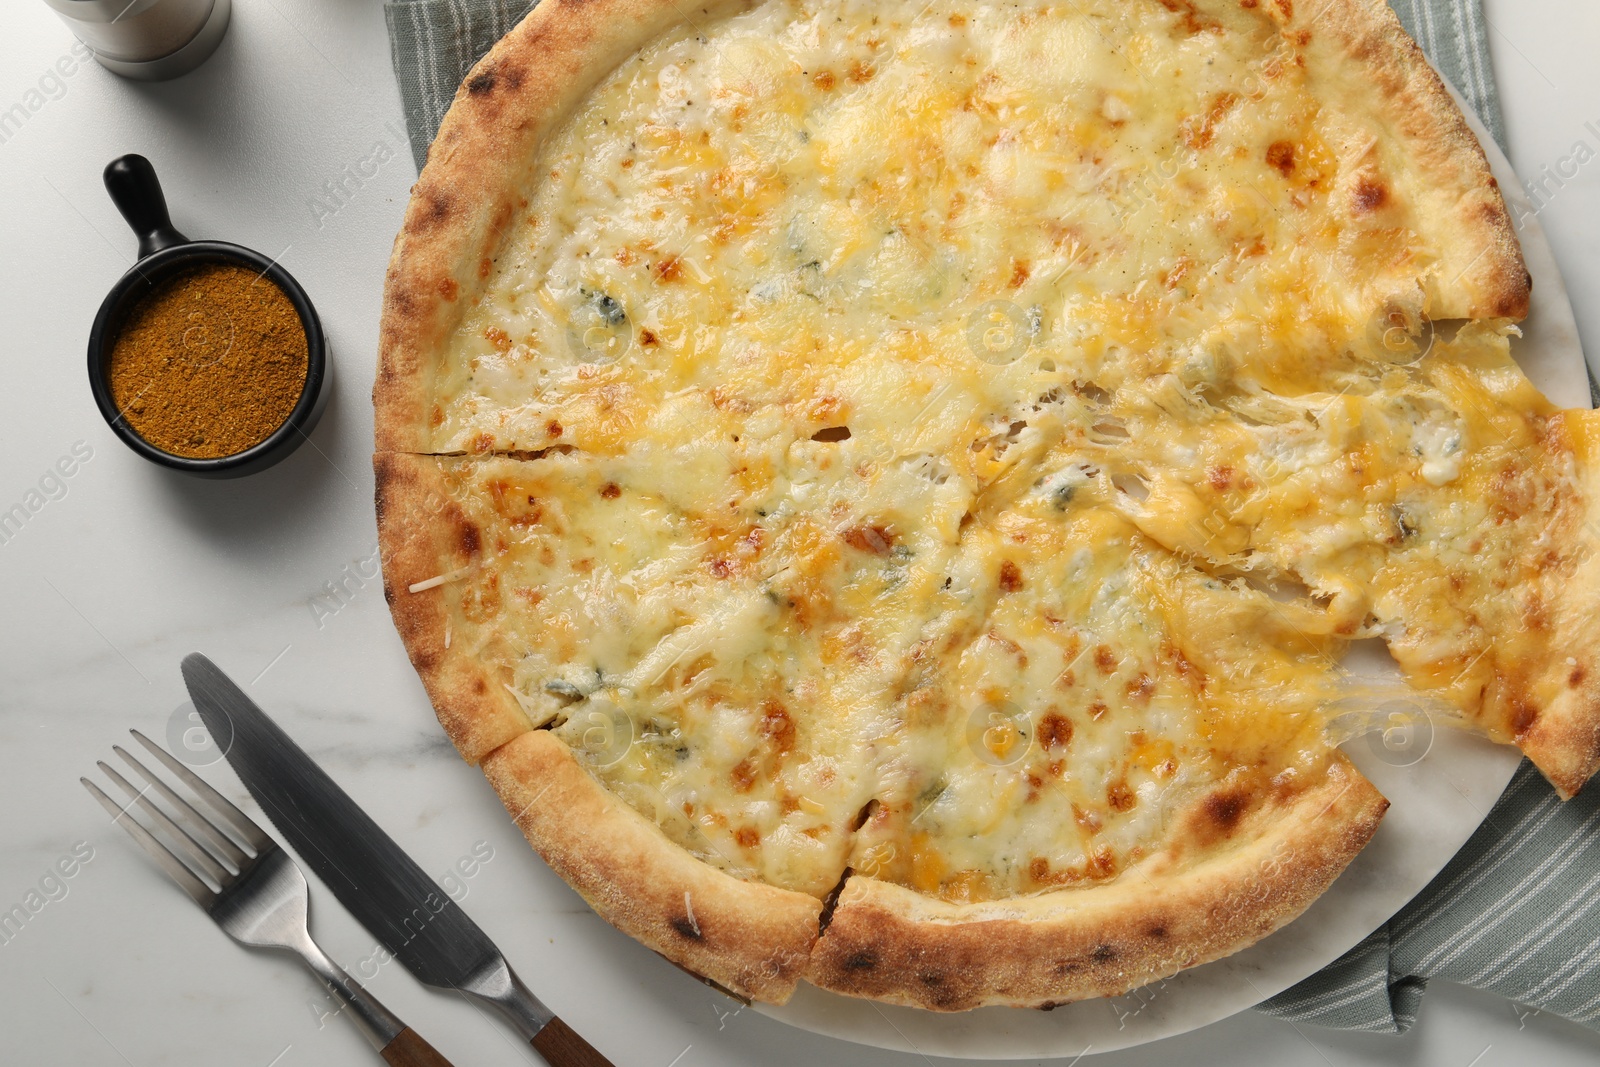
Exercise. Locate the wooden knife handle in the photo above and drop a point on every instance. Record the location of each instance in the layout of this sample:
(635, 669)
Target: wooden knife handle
(561, 1046)
(409, 1050)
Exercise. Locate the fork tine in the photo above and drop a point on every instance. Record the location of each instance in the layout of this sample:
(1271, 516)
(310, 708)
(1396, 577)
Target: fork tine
(174, 867)
(208, 863)
(190, 818)
(254, 836)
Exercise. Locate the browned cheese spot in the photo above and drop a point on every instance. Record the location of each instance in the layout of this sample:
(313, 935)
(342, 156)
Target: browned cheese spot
(875, 539)
(776, 726)
(1055, 731)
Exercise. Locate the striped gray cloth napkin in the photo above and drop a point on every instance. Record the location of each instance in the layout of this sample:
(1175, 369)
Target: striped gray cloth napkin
(433, 43)
(1516, 911)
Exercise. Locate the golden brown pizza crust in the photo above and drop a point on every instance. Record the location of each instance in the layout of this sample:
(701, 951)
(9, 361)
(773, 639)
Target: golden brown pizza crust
(893, 944)
(423, 534)
(751, 939)
(1563, 737)
(472, 184)
(1359, 51)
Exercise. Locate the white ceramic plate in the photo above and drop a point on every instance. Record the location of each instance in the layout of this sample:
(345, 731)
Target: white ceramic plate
(1437, 802)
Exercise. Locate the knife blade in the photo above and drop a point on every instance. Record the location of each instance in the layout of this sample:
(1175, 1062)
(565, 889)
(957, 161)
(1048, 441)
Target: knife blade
(399, 904)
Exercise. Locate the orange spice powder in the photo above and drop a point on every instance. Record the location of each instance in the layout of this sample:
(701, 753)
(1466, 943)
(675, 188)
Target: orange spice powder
(210, 363)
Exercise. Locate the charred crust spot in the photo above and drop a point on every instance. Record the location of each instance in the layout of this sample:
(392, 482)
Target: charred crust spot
(435, 209)
(1225, 809)
(1280, 154)
(1369, 195)
(861, 961)
(479, 686)
(747, 836)
(469, 540)
(1157, 933)
(610, 491)
(687, 929)
(1575, 679)
(481, 83)
(553, 428)
(1105, 659)
(1055, 731)
(1010, 577)
(648, 339)
(1103, 954)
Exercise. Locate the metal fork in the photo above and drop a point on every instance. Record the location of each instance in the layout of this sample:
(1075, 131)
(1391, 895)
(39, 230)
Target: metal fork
(260, 897)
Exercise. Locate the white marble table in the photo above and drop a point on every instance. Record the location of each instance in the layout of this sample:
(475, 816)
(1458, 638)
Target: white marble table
(123, 569)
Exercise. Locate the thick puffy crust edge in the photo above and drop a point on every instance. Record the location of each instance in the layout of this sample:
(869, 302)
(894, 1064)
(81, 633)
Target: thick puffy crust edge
(892, 944)
(465, 199)
(1563, 740)
(422, 534)
(1358, 51)
(753, 940)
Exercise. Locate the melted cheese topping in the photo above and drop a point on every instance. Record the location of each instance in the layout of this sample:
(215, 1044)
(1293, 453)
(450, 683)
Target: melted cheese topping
(980, 435)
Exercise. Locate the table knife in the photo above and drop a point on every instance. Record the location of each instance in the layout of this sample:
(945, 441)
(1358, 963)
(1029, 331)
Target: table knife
(407, 911)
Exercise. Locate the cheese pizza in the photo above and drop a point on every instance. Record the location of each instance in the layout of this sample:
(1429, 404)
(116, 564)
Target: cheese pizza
(885, 490)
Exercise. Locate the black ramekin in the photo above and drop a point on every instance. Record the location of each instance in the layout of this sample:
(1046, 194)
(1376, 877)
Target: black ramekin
(163, 253)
